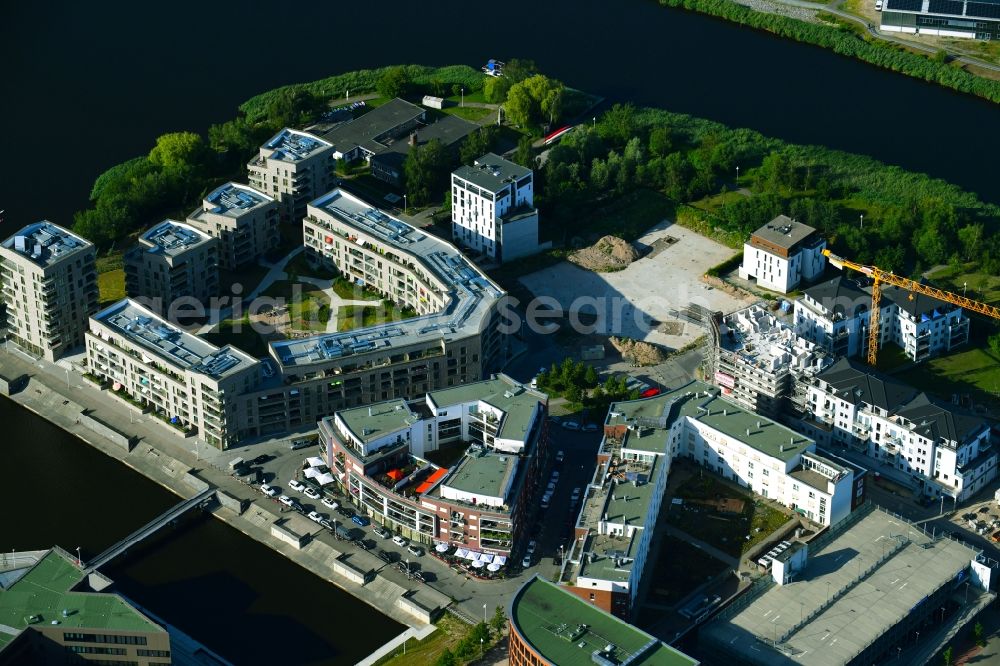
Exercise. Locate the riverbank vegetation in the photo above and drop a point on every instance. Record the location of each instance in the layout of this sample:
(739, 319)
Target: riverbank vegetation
(911, 221)
(846, 41)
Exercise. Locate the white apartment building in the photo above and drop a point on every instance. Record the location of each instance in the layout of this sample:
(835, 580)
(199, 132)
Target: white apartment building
(49, 283)
(835, 314)
(935, 447)
(172, 261)
(641, 440)
(759, 360)
(245, 221)
(492, 209)
(782, 253)
(179, 377)
(294, 167)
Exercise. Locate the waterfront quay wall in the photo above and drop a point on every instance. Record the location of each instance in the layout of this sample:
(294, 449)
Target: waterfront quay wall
(161, 456)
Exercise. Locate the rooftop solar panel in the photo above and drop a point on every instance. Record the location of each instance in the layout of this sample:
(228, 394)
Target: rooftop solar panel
(905, 5)
(952, 7)
(983, 9)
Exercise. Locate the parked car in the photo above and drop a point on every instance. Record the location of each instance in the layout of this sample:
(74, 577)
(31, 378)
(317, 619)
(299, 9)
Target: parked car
(551, 487)
(546, 498)
(555, 476)
(286, 500)
(345, 512)
(295, 485)
(531, 547)
(526, 561)
(329, 503)
(316, 517)
(270, 491)
(300, 443)
(571, 425)
(261, 459)
(382, 532)
(326, 523)
(576, 494)
(311, 493)
(590, 427)
(360, 520)
(400, 541)
(560, 456)
(416, 551)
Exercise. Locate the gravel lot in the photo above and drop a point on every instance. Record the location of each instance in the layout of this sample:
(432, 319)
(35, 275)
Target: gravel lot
(648, 289)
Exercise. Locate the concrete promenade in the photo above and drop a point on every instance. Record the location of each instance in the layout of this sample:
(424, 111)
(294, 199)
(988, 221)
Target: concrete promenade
(181, 465)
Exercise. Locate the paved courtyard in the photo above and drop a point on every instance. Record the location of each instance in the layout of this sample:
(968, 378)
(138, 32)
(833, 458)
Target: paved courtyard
(637, 302)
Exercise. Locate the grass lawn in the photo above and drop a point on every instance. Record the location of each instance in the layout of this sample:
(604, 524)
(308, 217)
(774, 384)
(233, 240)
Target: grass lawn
(300, 265)
(450, 632)
(472, 113)
(474, 96)
(679, 569)
(352, 292)
(308, 307)
(978, 285)
(730, 533)
(350, 317)
(973, 371)
(246, 338)
(111, 285)
(891, 357)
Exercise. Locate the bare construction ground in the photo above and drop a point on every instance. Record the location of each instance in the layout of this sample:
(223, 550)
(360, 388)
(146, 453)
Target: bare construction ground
(637, 302)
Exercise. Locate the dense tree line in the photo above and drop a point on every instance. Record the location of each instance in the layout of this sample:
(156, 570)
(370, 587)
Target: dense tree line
(911, 220)
(844, 41)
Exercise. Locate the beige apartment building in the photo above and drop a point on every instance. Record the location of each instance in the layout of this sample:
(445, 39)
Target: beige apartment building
(179, 377)
(294, 167)
(172, 261)
(244, 220)
(49, 284)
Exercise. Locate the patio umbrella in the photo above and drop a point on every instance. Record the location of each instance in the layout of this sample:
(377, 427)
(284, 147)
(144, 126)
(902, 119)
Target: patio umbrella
(500, 559)
(475, 564)
(472, 555)
(493, 566)
(441, 548)
(324, 479)
(315, 461)
(311, 472)
(486, 557)
(461, 552)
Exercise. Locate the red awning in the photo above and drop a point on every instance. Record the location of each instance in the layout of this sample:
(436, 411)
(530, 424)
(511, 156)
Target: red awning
(395, 474)
(430, 480)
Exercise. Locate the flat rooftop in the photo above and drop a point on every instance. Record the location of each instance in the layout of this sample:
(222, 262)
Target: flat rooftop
(868, 606)
(234, 200)
(471, 294)
(516, 401)
(45, 590)
(609, 557)
(482, 472)
(492, 173)
(369, 129)
(566, 630)
(702, 402)
(173, 238)
(783, 232)
(291, 145)
(45, 243)
(763, 341)
(375, 421)
(177, 347)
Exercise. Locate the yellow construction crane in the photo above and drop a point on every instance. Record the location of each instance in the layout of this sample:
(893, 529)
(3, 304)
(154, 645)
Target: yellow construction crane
(879, 276)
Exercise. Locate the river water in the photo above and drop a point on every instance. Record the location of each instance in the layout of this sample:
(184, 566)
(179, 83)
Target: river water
(238, 597)
(87, 85)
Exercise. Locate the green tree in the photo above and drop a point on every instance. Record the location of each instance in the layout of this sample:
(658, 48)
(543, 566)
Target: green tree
(525, 153)
(393, 82)
(478, 144)
(994, 343)
(519, 69)
(661, 142)
(946, 656)
(499, 620)
(533, 100)
(590, 378)
(618, 124)
(971, 238)
(977, 632)
(495, 89)
(446, 658)
(290, 107)
(425, 170)
(178, 152)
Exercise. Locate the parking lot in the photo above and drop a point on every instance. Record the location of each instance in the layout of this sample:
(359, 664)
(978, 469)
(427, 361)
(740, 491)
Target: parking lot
(646, 291)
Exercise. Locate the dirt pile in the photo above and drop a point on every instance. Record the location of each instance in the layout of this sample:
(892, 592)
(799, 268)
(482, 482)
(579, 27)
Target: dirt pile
(608, 254)
(638, 352)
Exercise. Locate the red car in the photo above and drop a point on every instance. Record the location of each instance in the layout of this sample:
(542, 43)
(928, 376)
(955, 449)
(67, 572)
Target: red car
(650, 392)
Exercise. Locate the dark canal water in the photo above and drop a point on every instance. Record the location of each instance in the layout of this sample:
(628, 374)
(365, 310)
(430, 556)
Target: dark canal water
(87, 85)
(241, 599)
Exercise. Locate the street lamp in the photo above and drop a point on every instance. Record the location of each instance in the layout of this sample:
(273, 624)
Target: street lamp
(827, 591)
(484, 613)
(67, 377)
(862, 220)
(404, 204)
(595, 122)
(79, 560)
(737, 175)
(965, 285)
(463, 95)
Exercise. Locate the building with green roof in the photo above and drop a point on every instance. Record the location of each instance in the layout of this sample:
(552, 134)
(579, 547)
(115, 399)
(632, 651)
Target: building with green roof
(549, 625)
(48, 613)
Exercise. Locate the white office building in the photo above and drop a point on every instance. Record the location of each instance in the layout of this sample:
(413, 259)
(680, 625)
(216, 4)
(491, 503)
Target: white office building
(492, 209)
(934, 447)
(49, 283)
(783, 253)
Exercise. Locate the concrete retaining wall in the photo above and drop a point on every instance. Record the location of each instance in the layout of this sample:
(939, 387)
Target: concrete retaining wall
(288, 536)
(234, 503)
(352, 573)
(104, 430)
(9, 385)
(414, 608)
(194, 482)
